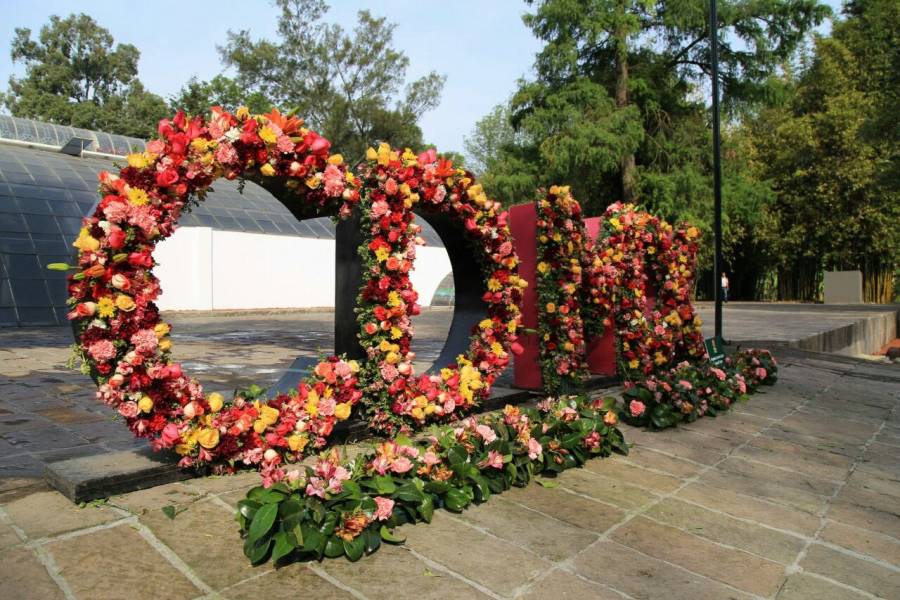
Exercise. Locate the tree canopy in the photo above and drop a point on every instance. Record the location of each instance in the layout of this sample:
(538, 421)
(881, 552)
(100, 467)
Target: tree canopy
(74, 75)
(350, 86)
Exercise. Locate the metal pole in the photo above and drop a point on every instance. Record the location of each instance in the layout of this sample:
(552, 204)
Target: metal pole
(718, 264)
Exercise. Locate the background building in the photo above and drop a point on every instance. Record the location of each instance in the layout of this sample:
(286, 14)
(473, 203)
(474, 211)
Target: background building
(234, 251)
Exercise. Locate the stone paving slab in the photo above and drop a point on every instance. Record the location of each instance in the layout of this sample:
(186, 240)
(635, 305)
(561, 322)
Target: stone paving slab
(759, 503)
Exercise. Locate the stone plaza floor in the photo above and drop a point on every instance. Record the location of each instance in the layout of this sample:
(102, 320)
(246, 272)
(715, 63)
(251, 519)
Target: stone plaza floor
(795, 494)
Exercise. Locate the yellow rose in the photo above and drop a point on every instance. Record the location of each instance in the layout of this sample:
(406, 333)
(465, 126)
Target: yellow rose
(335, 159)
(342, 410)
(208, 437)
(162, 329)
(124, 302)
(165, 344)
(216, 401)
(297, 442)
(267, 170)
(551, 308)
(392, 358)
(268, 415)
(85, 242)
(145, 403)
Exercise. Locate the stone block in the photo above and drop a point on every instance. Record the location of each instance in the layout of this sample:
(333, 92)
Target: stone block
(99, 476)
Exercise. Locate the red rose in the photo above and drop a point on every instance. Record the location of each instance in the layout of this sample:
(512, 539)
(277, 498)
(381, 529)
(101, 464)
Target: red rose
(116, 238)
(166, 178)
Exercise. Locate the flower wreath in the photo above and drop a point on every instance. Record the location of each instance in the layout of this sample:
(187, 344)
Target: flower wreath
(560, 251)
(396, 182)
(125, 346)
(634, 248)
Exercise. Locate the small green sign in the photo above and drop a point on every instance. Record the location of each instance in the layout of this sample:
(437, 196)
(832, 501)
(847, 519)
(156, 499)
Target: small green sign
(714, 350)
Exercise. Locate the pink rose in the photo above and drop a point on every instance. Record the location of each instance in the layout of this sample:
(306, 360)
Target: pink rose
(391, 187)
(534, 449)
(685, 384)
(486, 433)
(385, 508)
(430, 458)
(761, 373)
(401, 465)
(637, 408)
(170, 436)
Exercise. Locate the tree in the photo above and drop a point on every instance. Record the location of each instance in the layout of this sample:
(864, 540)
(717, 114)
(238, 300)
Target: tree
(617, 76)
(196, 96)
(832, 156)
(347, 85)
(74, 76)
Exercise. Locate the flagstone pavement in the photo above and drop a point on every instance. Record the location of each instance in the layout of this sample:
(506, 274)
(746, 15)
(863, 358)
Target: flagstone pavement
(795, 494)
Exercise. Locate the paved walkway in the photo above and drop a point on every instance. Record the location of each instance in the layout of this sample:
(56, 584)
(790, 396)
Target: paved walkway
(794, 495)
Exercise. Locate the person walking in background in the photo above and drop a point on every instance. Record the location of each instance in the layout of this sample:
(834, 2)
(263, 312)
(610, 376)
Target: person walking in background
(726, 286)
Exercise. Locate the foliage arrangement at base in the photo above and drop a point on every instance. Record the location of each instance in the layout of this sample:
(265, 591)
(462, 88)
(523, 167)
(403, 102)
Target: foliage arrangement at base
(561, 249)
(693, 390)
(332, 509)
(125, 346)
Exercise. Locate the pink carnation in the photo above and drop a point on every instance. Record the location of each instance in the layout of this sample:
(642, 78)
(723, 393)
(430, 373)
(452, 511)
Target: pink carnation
(144, 341)
(685, 384)
(116, 212)
(334, 181)
(385, 508)
(102, 350)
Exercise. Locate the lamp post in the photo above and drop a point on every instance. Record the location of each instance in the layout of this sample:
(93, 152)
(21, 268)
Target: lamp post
(718, 264)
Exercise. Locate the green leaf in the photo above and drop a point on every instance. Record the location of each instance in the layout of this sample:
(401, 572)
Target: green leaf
(313, 539)
(60, 267)
(389, 537)
(546, 483)
(262, 522)
(384, 484)
(283, 546)
(373, 540)
(456, 500)
(457, 455)
(248, 508)
(354, 549)
(334, 547)
(426, 509)
(170, 511)
(257, 552)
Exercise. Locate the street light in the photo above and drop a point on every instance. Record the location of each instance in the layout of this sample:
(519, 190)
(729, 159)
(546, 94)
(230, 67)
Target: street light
(718, 265)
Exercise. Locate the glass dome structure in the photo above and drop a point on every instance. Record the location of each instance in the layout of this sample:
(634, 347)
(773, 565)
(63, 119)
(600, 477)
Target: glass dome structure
(45, 191)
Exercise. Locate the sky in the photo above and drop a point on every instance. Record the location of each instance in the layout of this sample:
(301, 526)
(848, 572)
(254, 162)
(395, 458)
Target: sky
(481, 46)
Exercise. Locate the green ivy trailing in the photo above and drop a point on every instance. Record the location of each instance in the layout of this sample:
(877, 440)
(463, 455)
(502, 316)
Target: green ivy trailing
(690, 391)
(332, 509)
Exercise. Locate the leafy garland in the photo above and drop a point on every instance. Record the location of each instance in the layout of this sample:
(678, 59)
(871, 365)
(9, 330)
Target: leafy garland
(560, 251)
(124, 345)
(332, 509)
(690, 391)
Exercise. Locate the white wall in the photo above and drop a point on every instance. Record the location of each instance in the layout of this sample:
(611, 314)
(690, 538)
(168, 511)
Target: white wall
(204, 269)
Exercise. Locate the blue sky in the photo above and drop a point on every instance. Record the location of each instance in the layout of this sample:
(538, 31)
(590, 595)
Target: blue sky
(481, 46)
